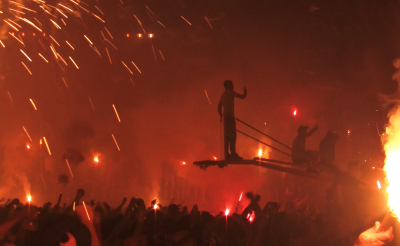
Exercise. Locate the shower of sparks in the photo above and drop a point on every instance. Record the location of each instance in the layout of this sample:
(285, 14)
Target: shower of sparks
(69, 168)
(15, 23)
(154, 53)
(66, 7)
(29, 71)
(55, 24)
(27, 134)
(115, 110)
(65, 82)
(26, 55)
(69, 45)
(149, 10)
(115, 141)
(2, 44)
(47, 145)
(127, 67)
(136, 67)
(74, 62)
(16, 29)
(53, 50)
(59, 11)
(208, 22)
(59, 56)
(19, 40)
(55, 41)
(33, 104)
(98, 18)
(140, 23)
(161, 55)
(10, 97)
(108, 32)
(112, 44)
(161, 24)
(86, 210)
(88, 39)
(91, 103)
(30, 23)
(43, 58)
(99, 10)
(207, 97)
(186, 20)
(108, 54)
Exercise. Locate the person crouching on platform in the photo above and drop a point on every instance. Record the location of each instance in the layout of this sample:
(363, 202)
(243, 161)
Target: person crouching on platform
(227, 101)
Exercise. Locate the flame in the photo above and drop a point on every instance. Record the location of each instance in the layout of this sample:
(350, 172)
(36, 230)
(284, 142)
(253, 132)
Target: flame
(391, 146)
(155, 206)
(259, 153)
(252, 216)
(227, 212)
(29, 198)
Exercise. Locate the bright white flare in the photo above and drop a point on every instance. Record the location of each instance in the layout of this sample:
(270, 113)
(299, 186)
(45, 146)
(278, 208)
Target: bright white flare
(391, 142)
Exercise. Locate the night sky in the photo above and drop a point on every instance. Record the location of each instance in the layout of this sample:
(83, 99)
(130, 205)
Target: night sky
(329, 60)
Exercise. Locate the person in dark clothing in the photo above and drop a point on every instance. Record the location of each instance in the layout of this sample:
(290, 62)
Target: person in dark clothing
(327, 150)
(227, 102)
(299, 153)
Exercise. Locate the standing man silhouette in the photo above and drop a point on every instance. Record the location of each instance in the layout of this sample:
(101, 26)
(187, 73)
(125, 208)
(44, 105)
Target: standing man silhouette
(227, 101)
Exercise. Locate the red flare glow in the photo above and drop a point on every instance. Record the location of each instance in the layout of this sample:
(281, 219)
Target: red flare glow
(155, 206)
(240, 198)
(184, 163)
(295, 112)
(227, 212)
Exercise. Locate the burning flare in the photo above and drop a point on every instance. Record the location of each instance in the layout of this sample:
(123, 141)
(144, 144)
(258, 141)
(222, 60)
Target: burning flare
(29, 198)
(391, 141)
(227, 212)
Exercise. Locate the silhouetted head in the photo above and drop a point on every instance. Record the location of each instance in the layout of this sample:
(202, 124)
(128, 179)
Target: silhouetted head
(302, 130)
(228, 84)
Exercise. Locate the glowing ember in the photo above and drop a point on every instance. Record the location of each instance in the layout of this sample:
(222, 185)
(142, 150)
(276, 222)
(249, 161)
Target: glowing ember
(139, 35)
(379, 184)
(240, 198)
(96, 159)
(392, 168)
(348, 132)
(29, 198)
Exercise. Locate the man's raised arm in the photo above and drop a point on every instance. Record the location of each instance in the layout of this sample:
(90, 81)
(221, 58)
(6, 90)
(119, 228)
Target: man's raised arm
(242, 96)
